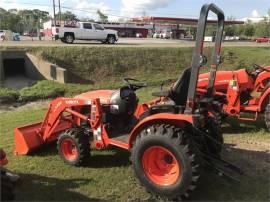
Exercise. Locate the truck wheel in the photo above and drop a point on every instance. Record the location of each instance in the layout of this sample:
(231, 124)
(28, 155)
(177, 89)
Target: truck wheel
(63, 40)
(73, 146)
(7, 188)
(111, 39)
(164, 163)
(69, 38)
(267, 117)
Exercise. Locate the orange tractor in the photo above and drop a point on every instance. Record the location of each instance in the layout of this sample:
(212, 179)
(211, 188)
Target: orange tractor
(169, 138)
(244, 93)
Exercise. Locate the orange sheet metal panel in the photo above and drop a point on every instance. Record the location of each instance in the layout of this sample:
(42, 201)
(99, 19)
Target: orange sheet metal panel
(28, 138)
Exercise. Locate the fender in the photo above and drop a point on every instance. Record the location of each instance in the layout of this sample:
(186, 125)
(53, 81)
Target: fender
(263, 100)
(161, 118)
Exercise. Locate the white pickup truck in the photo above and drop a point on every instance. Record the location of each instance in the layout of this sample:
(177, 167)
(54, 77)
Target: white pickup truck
(86, 31)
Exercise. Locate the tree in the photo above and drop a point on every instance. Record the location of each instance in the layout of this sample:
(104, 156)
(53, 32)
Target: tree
(262, 29)
(249, 29)
(67, 16)
(230, 30)
(102, 16)
(210, 30)
(87, 20)
(8, 20)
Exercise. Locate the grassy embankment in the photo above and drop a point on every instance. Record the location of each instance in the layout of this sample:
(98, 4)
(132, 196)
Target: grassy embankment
(99, 67)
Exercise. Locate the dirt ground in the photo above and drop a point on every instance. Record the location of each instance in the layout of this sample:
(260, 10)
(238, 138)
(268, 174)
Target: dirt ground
(24, 106)
(17, 82)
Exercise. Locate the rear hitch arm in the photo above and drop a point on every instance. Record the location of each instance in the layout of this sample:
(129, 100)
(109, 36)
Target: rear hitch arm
(223, 167)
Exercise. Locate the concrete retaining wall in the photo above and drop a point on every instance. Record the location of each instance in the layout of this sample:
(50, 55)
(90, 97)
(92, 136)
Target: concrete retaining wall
(35, 68)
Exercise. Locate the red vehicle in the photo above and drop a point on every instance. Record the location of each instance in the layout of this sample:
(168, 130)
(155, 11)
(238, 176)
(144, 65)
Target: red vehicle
(262, 39)
(246, 92)
(7, 185)
(169, 137)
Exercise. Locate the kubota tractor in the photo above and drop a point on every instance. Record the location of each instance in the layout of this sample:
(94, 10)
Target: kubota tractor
(244, 92)
(169, 137)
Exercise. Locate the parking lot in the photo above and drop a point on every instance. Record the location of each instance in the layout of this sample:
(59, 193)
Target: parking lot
(28, 41)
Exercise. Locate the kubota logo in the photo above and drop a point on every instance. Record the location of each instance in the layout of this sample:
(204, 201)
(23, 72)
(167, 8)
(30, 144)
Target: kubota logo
(72, 102)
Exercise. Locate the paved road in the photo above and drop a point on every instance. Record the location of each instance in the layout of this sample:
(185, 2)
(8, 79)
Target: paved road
(132, 42)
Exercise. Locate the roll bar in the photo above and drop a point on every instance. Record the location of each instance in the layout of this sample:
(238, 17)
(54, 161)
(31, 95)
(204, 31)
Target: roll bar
(198, 59)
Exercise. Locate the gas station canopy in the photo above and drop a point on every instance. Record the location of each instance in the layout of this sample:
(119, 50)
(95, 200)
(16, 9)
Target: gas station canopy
(184, 21)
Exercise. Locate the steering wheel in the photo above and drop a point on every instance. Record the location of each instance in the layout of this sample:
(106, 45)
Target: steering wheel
(134, 86)
(255, 66)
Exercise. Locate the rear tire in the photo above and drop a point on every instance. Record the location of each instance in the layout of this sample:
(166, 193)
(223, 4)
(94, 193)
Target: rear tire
(164, 163)
(69, 38)
(111, 39)
(7, 188)
(63, 40)
(74, 147)
(267, 117)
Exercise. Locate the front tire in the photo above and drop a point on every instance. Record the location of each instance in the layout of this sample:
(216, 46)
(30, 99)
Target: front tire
(69, 38)
(63, 40)
(164, 162)
(111, 39)
(74, 147)
(267, 117)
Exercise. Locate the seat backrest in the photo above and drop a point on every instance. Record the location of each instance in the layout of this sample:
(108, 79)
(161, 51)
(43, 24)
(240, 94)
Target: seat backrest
(179, 90)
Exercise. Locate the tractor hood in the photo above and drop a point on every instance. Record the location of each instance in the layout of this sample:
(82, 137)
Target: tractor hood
(103, 95)
(223, 79)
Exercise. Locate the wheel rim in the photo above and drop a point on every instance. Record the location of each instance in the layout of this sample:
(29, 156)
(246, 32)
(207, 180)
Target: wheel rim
(160, 166)
(69, 39)
(69, 149)
(111, 40)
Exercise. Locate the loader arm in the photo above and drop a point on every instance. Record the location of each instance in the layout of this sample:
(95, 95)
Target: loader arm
(31, 137)
(55, 111)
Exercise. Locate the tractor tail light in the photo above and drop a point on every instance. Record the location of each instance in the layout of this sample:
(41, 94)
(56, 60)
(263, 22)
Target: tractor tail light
(3, 158)
(2, 154)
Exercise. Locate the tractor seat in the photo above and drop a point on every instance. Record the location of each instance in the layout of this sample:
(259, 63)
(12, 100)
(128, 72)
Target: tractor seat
(178, 93)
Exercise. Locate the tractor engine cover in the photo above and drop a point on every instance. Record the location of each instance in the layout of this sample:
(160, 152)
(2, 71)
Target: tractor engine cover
(123, 101)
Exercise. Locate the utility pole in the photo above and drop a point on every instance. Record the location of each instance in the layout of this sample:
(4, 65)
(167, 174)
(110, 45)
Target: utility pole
(54, 13)
(59, 4)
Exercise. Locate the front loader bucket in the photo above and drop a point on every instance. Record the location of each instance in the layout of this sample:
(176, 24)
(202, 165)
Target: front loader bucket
(27, 138)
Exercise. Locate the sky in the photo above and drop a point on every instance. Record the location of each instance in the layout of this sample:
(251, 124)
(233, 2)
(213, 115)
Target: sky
(130, 8)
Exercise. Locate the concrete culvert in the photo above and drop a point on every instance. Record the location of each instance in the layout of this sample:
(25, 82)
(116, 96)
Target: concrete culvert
(15, 74)
(19, 69)
(14, 67)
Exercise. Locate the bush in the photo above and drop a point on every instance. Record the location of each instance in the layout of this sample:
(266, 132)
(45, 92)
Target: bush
(42, 90)
(8, 95)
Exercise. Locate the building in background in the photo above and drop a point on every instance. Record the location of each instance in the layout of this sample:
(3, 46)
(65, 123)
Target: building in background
(147, 26)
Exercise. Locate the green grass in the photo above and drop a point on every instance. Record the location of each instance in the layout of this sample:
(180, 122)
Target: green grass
(109, 176)
(95, 64)
(8, 95)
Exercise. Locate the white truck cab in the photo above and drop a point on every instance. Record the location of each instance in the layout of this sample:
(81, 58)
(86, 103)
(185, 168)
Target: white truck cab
(86, 31)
